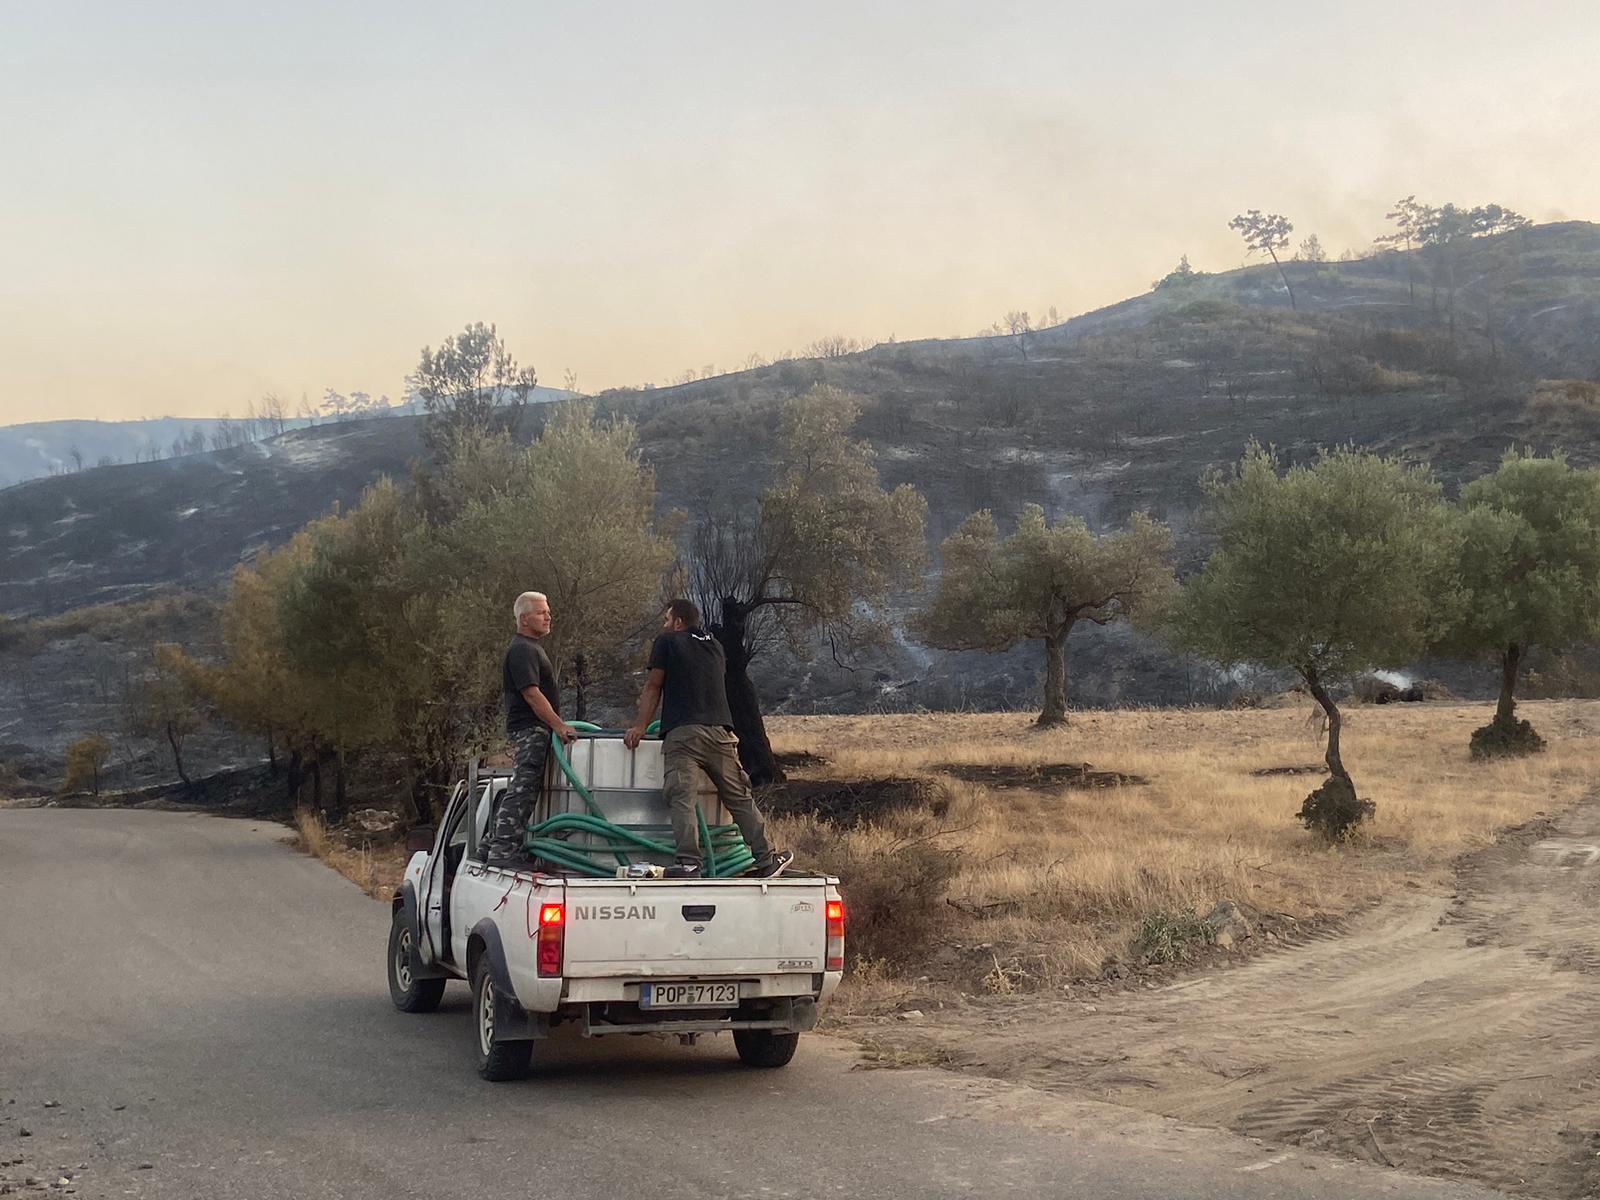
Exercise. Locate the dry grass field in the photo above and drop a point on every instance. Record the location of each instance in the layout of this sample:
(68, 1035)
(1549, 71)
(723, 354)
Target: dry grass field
(1434, 1004)
(1057, 880)
(375, 868)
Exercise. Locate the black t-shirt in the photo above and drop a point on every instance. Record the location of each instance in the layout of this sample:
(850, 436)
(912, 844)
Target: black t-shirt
(527, 665)
(694, 693)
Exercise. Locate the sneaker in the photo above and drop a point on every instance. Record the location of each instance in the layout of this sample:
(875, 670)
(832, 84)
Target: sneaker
(682, 870)
(775, 863)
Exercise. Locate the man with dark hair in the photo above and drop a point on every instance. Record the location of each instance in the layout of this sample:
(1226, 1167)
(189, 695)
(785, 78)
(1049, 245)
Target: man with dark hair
(686, 682)
(533, 712)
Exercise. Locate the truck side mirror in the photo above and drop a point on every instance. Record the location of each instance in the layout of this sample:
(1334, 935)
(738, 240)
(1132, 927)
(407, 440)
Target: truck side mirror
(420, 838)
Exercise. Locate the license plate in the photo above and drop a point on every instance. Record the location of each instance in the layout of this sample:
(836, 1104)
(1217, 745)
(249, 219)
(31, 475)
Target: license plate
(688, 995)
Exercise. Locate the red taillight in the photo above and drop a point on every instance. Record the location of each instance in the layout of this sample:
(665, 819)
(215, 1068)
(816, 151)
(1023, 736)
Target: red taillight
(835, 914)
(552, 927)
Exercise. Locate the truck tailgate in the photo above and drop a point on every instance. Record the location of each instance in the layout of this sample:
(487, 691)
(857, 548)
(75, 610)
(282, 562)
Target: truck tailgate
(695, 928)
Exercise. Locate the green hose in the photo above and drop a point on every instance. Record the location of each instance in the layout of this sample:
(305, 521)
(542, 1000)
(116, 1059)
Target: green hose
(722, 847)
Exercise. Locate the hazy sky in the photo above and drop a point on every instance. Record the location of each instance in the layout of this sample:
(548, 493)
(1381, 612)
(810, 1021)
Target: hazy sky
(202, 202)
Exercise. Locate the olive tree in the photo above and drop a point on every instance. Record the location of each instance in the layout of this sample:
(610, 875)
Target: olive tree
(1528, 575)
(85, 759)
(823, 551)
(1040, 582)
(262, 684)
(164, 705)
(350, 623)
(574, 519)
(1327, 569)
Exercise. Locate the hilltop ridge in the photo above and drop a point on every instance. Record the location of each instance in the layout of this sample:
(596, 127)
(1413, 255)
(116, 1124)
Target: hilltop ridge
(1115, 410)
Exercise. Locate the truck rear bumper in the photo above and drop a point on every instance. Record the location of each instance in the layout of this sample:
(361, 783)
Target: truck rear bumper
(792, 1015)
(757, 987)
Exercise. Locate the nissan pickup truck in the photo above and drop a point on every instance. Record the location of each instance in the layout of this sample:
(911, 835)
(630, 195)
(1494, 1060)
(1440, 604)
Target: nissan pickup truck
(545, 947)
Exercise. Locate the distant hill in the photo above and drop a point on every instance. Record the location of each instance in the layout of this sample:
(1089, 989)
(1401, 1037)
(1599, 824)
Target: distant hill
(1116, 410)
(40, 448)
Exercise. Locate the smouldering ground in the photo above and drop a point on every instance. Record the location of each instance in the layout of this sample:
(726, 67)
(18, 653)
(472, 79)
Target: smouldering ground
(1069, 874)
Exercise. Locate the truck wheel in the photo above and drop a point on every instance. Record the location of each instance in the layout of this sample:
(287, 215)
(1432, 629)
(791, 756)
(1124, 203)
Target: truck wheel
(765, 1047)
(498, 1062)
(409, 993)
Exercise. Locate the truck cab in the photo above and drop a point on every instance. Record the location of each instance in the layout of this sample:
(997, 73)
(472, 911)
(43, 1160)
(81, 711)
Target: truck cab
(600, 947)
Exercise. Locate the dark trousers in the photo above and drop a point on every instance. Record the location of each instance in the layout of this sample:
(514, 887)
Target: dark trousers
(531, 748)
(690, 749)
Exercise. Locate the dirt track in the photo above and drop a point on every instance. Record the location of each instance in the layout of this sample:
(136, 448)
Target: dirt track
(1457, 1035)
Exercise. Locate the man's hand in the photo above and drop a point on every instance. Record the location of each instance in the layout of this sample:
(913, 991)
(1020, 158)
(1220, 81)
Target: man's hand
(633, 737)
(566, 733)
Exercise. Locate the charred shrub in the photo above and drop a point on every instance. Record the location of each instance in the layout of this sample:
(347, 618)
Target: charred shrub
(894, 885)
(848, 803)
(1505, 739)
(1334, 811)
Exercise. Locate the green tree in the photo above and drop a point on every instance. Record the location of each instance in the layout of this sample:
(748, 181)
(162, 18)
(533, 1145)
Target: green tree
(1326, 570)
(356, 625)
(575, 520)
(1041, 581)
(469, 386)
(86, 758)
(827, 545)
(397, 617)
(164, 704)
(1266, 233)
(1528, 573)
(255, 687)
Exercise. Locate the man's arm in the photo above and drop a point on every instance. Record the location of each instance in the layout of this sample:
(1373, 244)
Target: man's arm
(542, 710)
(649, 701)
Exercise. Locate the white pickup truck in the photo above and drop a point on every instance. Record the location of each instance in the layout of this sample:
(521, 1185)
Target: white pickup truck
(543, 947)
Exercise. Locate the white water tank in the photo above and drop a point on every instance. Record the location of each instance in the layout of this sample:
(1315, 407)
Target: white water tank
(625, 784)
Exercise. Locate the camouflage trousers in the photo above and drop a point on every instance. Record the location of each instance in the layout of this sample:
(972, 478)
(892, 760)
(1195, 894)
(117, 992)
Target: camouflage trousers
(531, 749)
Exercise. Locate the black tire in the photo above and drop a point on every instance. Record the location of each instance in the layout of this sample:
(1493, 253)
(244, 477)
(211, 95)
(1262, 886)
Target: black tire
(409, 993)
(765, 1047)
(498, 1062)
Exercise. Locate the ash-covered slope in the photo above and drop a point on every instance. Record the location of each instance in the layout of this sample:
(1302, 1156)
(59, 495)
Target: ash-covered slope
(1117, 410)
(113, 533)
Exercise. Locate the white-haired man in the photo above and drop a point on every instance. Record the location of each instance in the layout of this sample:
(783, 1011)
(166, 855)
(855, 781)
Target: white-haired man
(533, 712)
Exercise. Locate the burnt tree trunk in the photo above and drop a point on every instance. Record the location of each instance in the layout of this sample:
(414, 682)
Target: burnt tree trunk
(1055, 678)
(580, 673)
(1510, 661)
(272, 751)
(744, 706)
(419, 782)
(296, 775)
(337, 812)
(177, 756)
(1335, 722)
(1287, 286)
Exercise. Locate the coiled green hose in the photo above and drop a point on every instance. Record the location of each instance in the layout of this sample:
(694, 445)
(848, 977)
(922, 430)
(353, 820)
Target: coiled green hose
(723, 849)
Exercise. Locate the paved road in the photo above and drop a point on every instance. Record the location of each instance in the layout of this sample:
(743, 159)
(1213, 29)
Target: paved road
(208, 1009)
